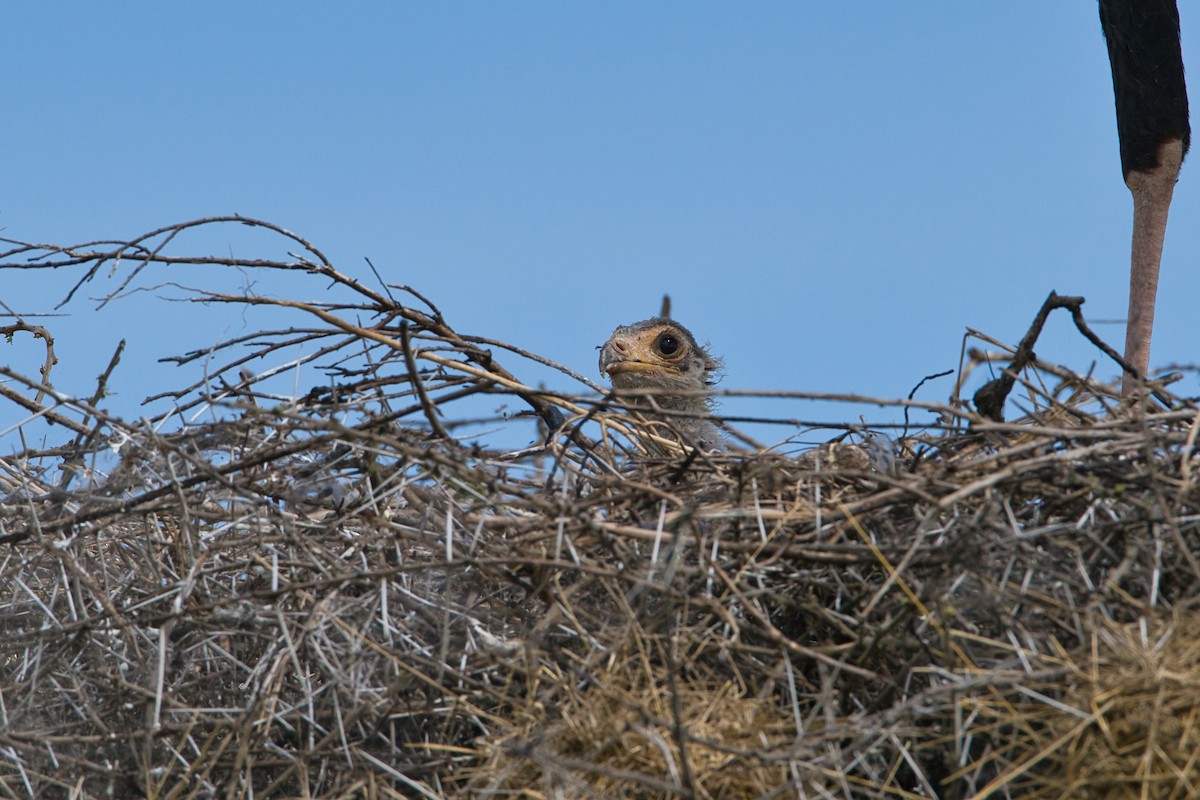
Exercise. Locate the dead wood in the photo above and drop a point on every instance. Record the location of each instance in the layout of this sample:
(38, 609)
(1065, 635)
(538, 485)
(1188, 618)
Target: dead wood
(343, 594)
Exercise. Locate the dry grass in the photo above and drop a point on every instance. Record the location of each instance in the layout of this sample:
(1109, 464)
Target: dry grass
(339, 595)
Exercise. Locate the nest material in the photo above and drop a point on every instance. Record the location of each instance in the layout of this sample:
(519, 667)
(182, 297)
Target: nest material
(340, 595)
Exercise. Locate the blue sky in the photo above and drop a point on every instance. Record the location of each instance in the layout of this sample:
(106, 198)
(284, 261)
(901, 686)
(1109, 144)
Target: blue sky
(831, 193)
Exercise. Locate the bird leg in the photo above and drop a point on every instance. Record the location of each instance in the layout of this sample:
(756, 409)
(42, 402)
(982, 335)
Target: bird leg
(1152, 190)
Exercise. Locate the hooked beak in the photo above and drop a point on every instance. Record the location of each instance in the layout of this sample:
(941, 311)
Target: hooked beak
(611, 364)
(623, 367)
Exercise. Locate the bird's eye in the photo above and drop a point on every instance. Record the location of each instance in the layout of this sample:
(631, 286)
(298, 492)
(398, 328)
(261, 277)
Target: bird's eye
(667, 344)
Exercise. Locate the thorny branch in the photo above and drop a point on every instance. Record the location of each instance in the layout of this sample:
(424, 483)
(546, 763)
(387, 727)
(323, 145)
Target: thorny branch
(990, 398)
(39, 332)
(148, 249)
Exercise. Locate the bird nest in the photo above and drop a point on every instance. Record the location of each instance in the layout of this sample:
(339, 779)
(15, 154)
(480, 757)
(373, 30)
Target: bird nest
(339, 593)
